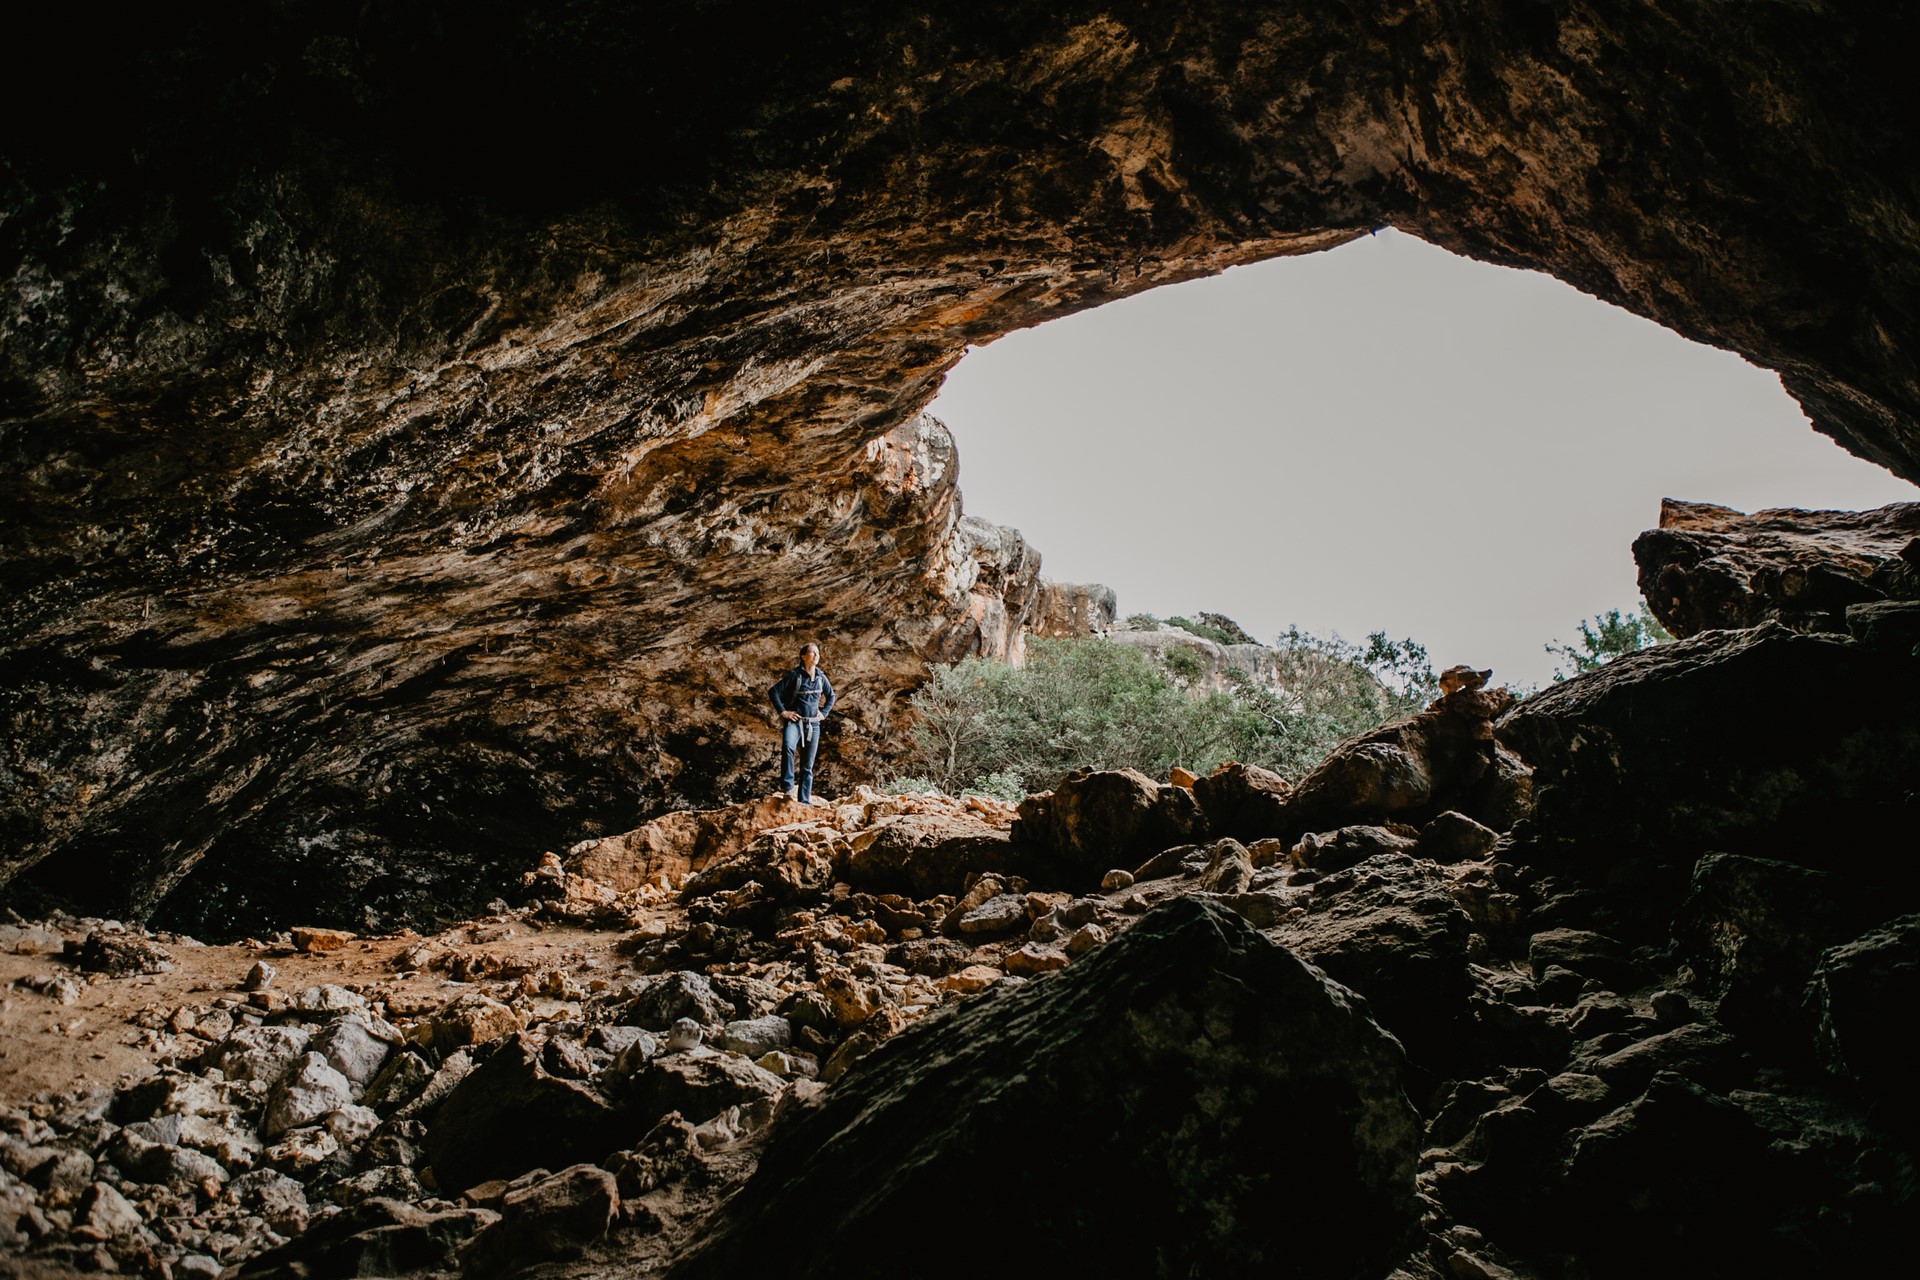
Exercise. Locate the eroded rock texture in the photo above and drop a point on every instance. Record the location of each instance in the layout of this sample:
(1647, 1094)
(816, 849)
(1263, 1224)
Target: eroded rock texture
(1709, 567)
(428, 428)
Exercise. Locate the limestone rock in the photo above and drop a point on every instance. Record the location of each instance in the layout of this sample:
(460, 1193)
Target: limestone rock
(1093, 819)
(316, 941)
(662, 1000)
(261, 1053)
(1107, 1070)
(308, 1090)
(925, 854)
(1795, 747)
(554, 1218)
(698, 1084)
(1712, 568)
(108, 1212)
(510, 1115)
(1388, 928)
(353, 1048)
(676, 845)
(1243, 801)
(473, 1019)
(121, 955)
(1409, 771)
(1753, 931)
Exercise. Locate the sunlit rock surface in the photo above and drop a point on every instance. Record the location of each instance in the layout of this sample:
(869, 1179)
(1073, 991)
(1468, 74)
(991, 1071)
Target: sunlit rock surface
(425, 431)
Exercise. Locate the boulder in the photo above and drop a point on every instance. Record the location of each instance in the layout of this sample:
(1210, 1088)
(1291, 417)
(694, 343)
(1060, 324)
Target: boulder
(307, 1092)
(510, 1115)
(551, 1219)
(1411, 770)
(473, 1019)
(698, 1084)
(1389, 929)
(1710, 568)
(261, 1053)
(1862, 996)
(1454, 837)
(354, 1048)
(1140, 1113)
(376, 1237)
(788, 863)
(677, 844)
(1348, 846)
(1243, 801)
(925, 854)
(122, 955)
(664, 999)
(1754, 930)
(1093, 821)
(1229, 868)
(1780, 745)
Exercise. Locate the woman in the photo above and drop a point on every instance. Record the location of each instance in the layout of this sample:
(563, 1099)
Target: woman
(803, 697)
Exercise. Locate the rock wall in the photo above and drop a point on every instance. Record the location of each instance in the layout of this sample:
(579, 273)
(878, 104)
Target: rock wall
(424, 431)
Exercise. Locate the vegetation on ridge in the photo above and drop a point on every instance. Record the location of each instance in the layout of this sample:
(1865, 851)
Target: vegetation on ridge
(1004, 730)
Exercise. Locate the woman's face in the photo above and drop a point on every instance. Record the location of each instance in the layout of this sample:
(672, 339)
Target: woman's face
(809, 656)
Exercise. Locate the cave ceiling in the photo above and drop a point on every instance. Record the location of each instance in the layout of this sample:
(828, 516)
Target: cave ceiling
(425, 429)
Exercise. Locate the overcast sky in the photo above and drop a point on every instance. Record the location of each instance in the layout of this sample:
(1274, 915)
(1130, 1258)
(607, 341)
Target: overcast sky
(1380, 437)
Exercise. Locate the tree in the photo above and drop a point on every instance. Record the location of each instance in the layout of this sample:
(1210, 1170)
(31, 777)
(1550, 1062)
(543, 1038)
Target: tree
(1607, 636)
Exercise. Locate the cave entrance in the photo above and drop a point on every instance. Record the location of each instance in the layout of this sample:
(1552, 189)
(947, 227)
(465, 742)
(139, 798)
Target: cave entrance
(1380, 436)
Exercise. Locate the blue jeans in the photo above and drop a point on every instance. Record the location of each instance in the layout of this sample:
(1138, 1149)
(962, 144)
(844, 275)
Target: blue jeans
(803, 735)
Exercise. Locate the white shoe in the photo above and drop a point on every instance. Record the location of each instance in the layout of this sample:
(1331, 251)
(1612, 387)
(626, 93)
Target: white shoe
(793, 793)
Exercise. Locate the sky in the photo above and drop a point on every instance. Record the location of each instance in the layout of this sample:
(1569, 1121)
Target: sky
(1381, 437)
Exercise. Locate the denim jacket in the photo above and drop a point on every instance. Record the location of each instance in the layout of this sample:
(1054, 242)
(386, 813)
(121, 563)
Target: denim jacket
(811, 696)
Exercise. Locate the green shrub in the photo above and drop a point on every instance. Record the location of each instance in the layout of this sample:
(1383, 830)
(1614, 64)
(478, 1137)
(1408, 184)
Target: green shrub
(1076, 704)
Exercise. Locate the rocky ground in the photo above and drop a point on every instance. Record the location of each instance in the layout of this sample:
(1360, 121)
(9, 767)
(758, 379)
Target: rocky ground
(1395, 1000)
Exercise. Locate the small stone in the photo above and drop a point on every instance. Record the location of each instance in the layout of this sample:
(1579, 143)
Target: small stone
(1034, 959)
(1182, 778)
(473, 1019)
(1085, 939)
(973, 978)
(309, 1090)
(260, 977)
(353, 1048)
(755, 1037)
(350, 1124)
(301, 1149)
(1135, 904)
(329, 998)
(261, 1053)
(197, 1266)
(790, 1065)
(316, 941)
(996, 915)
(393, 1182)
(683, 1035)
(1116, 880)
(121, 955)
(108, 1212)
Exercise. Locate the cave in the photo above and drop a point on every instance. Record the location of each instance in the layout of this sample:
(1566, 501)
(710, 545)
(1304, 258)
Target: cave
(424, 426)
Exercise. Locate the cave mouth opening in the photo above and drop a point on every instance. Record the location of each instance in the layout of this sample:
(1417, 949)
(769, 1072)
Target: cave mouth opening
(1380, 436)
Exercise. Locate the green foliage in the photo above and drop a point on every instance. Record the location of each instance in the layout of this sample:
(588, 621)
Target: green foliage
(1207, 630)
(999, 730)
(1605, 637)
(1143, 622)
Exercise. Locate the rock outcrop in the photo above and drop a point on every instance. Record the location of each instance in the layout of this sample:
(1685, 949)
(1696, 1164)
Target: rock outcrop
(1171, 1071)
(389, 496)
(1709, 567)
